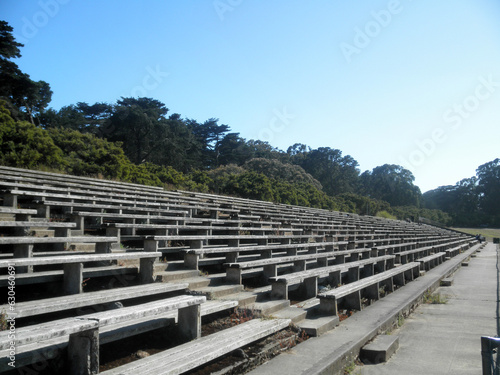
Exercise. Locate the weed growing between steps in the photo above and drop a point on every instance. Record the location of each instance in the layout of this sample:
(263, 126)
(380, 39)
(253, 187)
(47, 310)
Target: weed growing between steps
(434, 298)
(249, 357)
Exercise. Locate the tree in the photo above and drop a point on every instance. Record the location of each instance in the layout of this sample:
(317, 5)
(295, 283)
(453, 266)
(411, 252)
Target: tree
(234, 150)
(209, 135)
(141, 126)
(82, 117)
(488, 187)
(338, 174)
(391, 183)
(28, 98)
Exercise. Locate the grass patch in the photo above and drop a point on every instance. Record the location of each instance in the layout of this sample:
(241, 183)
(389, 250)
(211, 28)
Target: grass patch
(434, 298)
(488, 233)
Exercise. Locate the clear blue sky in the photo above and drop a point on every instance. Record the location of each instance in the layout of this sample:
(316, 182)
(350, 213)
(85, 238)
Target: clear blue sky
(414, 83)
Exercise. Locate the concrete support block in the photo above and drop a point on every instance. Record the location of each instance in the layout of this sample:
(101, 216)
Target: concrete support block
(322, 262)
(62, 232)
(353, 301)
(311, 287)
(113, 232)
(291, 252)
(10, 200)
(266, 254)
(83, 352)
(232, 257)
(270, 270)
(353, 274)
(150, 246)
(339, 259)
(191, 261)
(189, 322)
(233, 275)
(334, 278)
(146, 270)
(103, 247)
(80, 222)
(299, 265)
(23, 251)
(328, 306)
(373, 292)
(73, 278)
(279, 291)
(43, 211)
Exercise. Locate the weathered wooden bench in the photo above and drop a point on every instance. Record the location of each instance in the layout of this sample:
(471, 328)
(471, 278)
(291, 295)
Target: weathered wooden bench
(309, 279)
(82, 343)
(44, 208)
(23, 246)
(351, 292)
(80, 216)
(152, 317)
(127, 231)
(373, 243)
(353, 255)
(450, 253)
(83, 348)
(57, 276)
(234, 271)
(20, 214)
(73, 266)
(193, 257)
(20, 227)
(188, 356)
(54, 304)
(392, 249)
(431, 261)
(408, 256)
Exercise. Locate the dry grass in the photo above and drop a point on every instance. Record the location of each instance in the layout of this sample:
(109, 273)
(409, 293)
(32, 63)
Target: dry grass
(488, 233)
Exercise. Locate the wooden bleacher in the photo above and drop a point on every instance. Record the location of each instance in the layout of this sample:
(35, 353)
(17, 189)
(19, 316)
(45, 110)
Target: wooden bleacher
(170, 258)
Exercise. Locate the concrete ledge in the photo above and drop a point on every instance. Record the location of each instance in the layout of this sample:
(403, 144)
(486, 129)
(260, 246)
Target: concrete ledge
(380, 350)
(331, 352)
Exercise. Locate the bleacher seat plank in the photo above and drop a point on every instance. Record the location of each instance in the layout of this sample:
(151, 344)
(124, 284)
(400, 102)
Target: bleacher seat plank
(48, 305)
(193, 354)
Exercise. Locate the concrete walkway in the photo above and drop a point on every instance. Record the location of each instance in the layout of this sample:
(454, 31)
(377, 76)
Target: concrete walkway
(445, 338)
(451, 345)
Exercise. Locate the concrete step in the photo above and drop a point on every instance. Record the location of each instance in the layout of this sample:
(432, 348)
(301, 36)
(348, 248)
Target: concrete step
(194, 283)
(165, 276)
(295, 314)
(171, 265)
(380, 349)
(81, 246)
(270, 307)
(42, 232)
(315, 325)
(218, 292)
(245, 299)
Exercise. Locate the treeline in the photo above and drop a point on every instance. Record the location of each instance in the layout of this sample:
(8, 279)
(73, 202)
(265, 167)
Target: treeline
(473, 201)
(139, 140)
